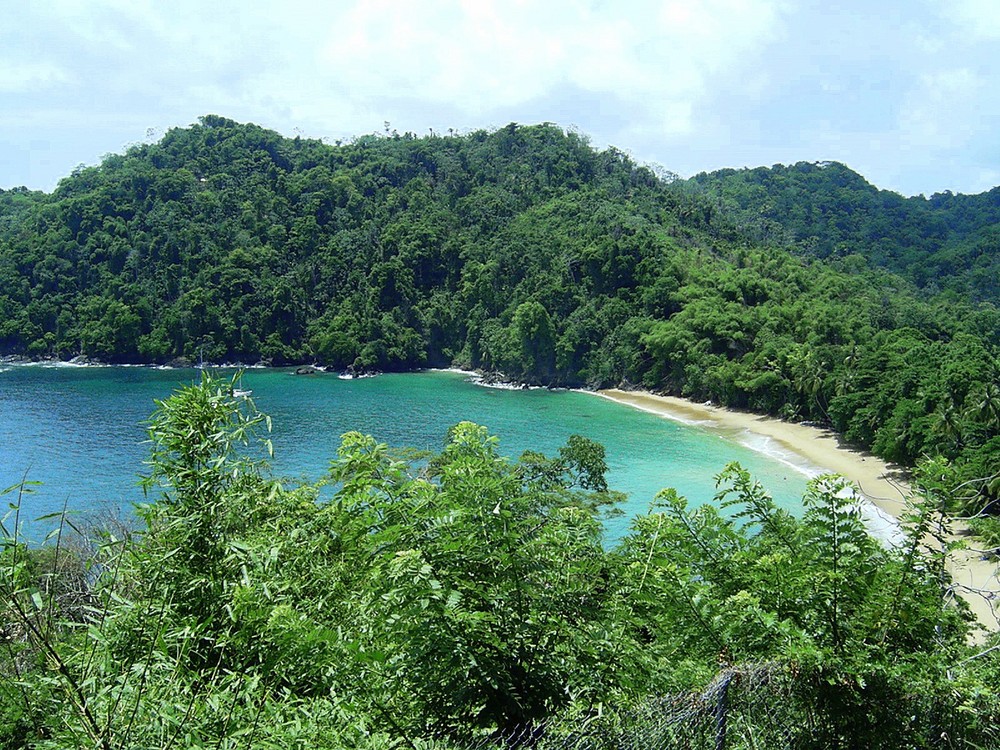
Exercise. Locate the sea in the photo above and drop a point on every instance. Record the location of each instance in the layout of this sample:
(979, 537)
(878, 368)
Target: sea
(77, 436)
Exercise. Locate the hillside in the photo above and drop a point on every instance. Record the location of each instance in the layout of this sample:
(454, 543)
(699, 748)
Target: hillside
(945, 242)
(231, 239)
(523, 251)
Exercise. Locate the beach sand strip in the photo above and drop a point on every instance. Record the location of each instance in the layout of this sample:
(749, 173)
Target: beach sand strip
(882, 484)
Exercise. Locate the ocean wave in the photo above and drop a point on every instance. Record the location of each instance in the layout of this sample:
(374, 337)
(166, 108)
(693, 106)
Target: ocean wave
(664, 412)
(57, 365)
(456, 370)
(486, 381)
(772, 449)
(879, 523)
(355, 376)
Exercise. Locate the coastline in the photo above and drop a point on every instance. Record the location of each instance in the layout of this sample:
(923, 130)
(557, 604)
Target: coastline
(809, 449)
(882, 485)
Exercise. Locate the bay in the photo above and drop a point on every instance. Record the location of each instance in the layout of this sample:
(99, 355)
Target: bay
(80, 431)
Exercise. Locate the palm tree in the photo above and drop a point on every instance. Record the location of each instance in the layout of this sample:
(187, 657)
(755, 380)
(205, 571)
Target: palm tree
(948, 424)
(808, 379)
(846, 381)
(987, 406)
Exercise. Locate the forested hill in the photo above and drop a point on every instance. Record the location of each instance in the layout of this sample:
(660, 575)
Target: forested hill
(390, 252)
(946, 241)
(523, 251)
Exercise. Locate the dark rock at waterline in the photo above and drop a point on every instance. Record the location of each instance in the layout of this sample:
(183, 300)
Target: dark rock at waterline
(180, 362)
(499, 380)
(306, 370)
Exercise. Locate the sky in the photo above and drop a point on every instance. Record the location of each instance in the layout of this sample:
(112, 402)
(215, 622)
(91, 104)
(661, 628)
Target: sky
(905, 92)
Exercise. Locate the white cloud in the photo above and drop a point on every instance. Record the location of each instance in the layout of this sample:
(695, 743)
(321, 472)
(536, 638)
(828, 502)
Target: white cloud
(979, 18)
(486, 55)
(345, 63)
(468, 54)
(21, 77)
(693, 84)
(942, 112)
(985, 179)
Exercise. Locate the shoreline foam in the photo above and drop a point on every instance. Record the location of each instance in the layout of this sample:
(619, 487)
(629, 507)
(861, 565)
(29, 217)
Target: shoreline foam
(882, 486)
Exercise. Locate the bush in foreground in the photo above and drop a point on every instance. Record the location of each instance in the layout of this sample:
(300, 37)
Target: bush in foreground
(467, 598)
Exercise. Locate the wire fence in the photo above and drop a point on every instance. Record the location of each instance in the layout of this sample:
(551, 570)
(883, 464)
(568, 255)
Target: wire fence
(766, 706)
(745, 707)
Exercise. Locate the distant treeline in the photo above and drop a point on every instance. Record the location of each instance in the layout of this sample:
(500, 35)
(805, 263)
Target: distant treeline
(798, 291)
(946, 242)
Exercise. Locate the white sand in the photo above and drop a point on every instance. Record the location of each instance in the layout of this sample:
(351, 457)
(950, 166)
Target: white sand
(882, 484)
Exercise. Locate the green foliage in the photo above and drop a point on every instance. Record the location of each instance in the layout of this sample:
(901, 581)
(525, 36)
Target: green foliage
(945, 241)
(482, 579)
(857, 620)
(988, 530)
(462, 598)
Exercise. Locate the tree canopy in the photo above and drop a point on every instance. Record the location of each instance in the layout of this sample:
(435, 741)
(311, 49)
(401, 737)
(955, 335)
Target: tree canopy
(945, 242)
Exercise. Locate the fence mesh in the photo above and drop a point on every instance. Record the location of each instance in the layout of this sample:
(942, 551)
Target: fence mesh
(765, 706)
(745, 707)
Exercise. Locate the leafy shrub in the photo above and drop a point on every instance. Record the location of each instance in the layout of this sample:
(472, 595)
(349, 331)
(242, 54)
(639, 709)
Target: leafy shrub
(468, 598)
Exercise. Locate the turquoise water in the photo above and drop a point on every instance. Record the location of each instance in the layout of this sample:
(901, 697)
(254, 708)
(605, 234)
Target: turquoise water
(79, 431)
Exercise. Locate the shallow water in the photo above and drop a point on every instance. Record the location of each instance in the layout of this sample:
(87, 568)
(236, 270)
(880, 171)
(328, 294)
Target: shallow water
(80, 431)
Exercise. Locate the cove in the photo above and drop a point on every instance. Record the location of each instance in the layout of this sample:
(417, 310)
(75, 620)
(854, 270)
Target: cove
(80, 432)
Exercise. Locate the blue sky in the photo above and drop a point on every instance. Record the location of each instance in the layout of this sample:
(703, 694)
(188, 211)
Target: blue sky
(906, 93)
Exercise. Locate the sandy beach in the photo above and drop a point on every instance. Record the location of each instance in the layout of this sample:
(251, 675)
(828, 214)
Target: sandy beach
(883, 485)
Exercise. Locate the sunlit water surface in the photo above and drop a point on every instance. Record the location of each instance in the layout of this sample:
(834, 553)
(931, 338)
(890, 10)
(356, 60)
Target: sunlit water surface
(80, 431)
